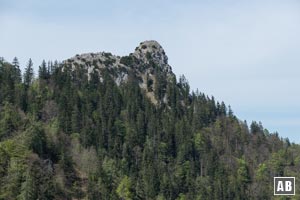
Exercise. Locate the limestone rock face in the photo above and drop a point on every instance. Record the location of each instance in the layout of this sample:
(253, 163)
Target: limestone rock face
(151, 50)
(147, 62)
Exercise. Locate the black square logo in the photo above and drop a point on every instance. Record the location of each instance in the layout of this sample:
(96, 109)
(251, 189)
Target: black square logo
(284, 185)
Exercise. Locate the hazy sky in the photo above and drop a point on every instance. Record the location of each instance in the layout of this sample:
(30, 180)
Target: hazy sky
(246, 53)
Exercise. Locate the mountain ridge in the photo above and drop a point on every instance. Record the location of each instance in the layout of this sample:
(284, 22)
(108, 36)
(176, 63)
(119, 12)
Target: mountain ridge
(98, 126)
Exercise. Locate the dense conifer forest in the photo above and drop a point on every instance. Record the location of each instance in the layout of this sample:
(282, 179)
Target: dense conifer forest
(72, 131)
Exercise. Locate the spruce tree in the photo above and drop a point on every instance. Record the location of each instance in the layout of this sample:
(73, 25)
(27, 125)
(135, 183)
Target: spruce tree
(28, 74)
(16, 65)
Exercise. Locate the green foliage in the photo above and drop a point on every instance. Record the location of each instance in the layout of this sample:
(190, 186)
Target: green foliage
(242, 173)
(124, 189)
(10, 121)
(181, 197)
(44, 73)
(12, 166)
(38, 180)
(262, 172)
(37, 140)
(69, 135)
(127, 60)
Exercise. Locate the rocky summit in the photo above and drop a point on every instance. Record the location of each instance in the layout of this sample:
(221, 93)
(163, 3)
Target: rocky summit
(146, 63)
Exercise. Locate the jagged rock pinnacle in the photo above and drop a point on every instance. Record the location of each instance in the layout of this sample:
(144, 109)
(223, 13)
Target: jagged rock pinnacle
(151, 49)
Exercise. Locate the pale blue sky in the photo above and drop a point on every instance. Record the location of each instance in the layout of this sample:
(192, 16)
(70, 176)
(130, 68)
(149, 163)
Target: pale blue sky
(246, 53)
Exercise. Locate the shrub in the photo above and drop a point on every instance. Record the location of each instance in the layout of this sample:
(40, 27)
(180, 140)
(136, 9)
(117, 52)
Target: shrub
(148, 55)
(127, 60)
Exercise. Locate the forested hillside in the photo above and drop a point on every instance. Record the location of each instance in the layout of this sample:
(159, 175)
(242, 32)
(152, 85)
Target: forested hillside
(99, 126)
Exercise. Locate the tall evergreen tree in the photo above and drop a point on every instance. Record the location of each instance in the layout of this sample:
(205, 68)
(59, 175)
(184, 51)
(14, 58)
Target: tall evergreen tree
(16, 66)
(43, 71)
(28, 74)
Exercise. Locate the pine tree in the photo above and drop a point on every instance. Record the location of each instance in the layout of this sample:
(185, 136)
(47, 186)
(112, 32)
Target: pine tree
(9, 120)
(43, 71)
(16, 66)
(28, 74)
(29, 188)
(7, 82)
